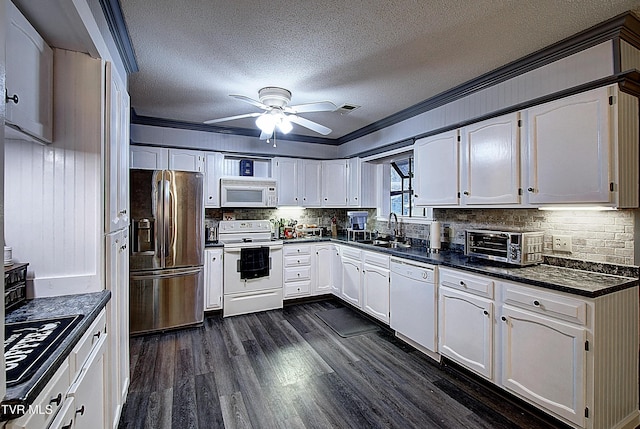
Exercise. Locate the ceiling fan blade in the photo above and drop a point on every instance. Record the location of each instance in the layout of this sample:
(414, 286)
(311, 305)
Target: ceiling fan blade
(251, 101)
(231, 118)
(265, 136)
(320, 106)
(313, 126)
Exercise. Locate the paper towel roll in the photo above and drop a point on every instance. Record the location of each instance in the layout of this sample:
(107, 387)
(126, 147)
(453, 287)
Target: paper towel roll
(434, 236)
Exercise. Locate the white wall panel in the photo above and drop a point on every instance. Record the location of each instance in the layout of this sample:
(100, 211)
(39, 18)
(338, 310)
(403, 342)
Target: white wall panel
(580, 68)
(53, 193)
(191, 139)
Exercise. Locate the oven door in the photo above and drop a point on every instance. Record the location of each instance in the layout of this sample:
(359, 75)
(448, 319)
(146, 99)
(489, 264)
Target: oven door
(233, 281)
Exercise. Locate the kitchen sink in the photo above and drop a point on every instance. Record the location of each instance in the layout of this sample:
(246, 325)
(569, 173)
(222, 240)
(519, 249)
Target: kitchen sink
(391, 244)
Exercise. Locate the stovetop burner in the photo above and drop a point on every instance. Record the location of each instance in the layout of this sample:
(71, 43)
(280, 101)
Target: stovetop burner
(28, 344)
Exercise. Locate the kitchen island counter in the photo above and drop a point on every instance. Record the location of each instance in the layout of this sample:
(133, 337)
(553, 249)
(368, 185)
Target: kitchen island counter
(89, 305)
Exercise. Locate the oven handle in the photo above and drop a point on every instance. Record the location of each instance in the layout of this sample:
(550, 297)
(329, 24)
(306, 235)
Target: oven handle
(237, 249)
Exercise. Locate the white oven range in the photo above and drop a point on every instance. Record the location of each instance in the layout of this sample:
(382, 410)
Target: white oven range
(252, 267)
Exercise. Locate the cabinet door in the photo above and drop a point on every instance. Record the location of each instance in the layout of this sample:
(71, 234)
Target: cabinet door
(29, 77)
(312, 181)
(336, 270)
(117, 152)
(351, 281)
(186, 160)
(375, 300)
(287, 171)
(466, 330)
(354, 182)
(334, 183)
(214, 163)
(149, 158)
(436, 170)
(88, 390)
(213, 279)
(569, 149)
(543, 360)
(490, 164)
(322, 269)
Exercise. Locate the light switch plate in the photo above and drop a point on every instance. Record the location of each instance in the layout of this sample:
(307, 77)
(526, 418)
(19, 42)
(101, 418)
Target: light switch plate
(562, 243)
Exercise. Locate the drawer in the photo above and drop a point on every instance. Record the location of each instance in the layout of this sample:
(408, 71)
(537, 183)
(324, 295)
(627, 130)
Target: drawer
(475, 284)
(295, 274)
(297, 250)
(82, 350)
(377, 259)
(350, 252)
(50, 400)
(65, 417)
(297, 260)
(301, 288)
(550, 304)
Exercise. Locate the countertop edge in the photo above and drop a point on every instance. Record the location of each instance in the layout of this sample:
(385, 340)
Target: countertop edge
(44, 374)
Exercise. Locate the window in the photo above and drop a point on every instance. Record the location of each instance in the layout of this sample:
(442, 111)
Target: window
(401, 190)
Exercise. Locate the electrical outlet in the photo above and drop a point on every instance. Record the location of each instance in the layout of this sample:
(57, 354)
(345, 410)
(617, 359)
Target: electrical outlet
(562, 243)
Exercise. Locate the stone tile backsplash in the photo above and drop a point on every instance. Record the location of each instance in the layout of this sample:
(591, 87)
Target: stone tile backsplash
(597, 236)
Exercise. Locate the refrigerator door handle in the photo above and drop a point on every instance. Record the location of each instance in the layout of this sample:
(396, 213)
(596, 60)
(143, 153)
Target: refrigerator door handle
(168, 236)
(172, 274)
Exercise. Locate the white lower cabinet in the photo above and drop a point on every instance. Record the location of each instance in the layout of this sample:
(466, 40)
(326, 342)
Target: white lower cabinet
(549, 371)
(375, 285)
(297, 266)
(336, 271)
(466, 330)
(351, 282)
(323, 278)
(213, 273)
(566, 354)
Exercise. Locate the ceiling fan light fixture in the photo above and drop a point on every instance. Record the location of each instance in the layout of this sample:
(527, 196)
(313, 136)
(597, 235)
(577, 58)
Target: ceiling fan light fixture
(284, 125)
(266, 123)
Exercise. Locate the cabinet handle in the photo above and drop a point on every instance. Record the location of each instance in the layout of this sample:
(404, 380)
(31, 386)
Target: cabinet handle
(80, 411)
(213, 259)
(485, 312)
(56, 399)
(536, 303)
(415, 195)
(463, 284)
(122, 212)
(466, 193)
(504, 319)
(97, 334)
(69, 426)
(13, 98)
(530, 189)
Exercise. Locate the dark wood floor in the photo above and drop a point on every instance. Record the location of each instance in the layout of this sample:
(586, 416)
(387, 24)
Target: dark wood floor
(287, 369)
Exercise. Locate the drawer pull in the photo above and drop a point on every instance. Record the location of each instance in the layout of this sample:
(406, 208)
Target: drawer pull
(80, 411)
(504, 319)
(13, 98)
(69, 426)
(485, 312)
(536, 303)
(97, 334)
(462, 284)
(56, 399)
(530, 189)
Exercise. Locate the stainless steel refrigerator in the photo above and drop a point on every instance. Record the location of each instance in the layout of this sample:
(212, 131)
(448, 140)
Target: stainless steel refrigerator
(167, 246)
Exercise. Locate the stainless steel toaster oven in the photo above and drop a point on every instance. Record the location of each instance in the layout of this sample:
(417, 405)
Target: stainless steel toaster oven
(517, 248)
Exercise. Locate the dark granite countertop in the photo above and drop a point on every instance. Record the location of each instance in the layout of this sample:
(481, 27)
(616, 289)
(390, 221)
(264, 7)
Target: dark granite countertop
(89, 305)
(583, 281)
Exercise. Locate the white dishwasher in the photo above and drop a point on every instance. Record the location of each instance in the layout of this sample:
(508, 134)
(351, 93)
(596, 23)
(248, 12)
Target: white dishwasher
(413, 302)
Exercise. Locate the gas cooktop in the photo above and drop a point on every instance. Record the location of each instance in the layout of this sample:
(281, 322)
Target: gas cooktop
(28, 344)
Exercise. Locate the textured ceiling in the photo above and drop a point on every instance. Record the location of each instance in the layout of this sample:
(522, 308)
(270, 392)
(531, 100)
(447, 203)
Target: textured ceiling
(385, 56)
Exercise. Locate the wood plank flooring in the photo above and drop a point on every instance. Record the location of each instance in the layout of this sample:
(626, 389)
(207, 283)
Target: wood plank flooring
(287, 369)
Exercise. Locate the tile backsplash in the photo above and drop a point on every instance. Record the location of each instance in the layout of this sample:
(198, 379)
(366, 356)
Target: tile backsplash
(597, 236)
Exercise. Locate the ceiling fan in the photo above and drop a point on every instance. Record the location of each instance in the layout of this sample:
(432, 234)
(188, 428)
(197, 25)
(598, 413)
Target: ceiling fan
(278, 114)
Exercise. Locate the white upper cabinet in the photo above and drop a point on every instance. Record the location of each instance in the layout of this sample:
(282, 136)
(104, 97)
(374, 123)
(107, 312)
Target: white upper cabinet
(213, 170)
(334, 183)
(569, 149)
(361, 183)
(186, 160)
(117, 152)
(287, 172)
(490, 162)
(29, 78)
(582, 150)
(436, 160)
(149, 158)
(311, 183)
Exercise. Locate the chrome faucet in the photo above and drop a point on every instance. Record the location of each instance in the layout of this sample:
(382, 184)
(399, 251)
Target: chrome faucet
(394, 231)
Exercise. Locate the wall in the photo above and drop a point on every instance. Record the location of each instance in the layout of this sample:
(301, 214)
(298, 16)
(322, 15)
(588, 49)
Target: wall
(597, 236)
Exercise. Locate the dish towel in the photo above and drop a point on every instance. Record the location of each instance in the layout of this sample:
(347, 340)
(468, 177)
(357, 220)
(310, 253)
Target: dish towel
(254, 262)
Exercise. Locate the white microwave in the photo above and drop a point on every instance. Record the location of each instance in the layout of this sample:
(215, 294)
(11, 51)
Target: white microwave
(248, 192)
